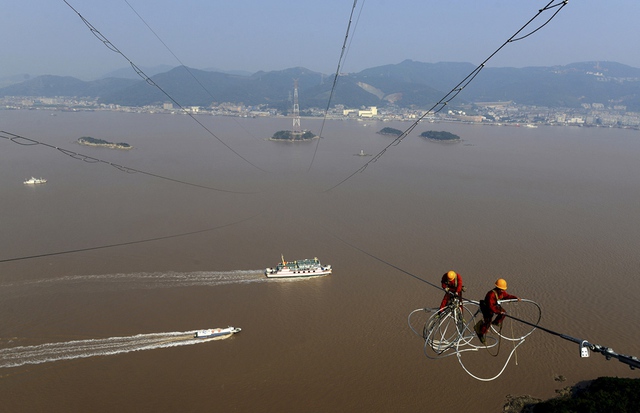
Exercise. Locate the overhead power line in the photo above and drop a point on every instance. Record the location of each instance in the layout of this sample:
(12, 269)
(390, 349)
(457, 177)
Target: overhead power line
(121, 244)
(182, 64)
(21, 140)
(335, 80)
(631, 361)
(150, 81)
(553, 6)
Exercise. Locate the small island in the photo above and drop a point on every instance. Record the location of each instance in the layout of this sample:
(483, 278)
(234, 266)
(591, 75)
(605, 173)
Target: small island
(291, 136)
(390, 131)
(87, 140)
(441, 136)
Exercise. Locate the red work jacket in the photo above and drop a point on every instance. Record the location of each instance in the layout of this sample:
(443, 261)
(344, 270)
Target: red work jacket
(492, 297)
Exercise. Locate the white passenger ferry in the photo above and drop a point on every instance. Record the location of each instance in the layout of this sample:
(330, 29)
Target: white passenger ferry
(299, 268)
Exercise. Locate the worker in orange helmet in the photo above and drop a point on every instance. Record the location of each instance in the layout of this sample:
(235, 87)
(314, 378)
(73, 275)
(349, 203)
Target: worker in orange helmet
(490, 306)
(452, 285)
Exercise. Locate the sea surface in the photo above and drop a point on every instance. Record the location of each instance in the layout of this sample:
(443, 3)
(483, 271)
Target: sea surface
(105, 271)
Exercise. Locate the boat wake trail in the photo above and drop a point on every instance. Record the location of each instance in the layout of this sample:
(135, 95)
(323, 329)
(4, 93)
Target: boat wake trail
(150, 279)
(45, 353)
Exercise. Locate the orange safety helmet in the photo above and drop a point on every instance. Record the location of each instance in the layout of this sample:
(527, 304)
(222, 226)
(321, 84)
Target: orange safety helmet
(501, 284)
(451, 275)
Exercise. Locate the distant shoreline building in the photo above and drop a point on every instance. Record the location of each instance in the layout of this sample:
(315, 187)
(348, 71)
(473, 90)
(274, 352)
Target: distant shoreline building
(373, 111)
(363, 113)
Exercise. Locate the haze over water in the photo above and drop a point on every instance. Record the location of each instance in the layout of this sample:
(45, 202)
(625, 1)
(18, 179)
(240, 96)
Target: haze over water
(554, 210)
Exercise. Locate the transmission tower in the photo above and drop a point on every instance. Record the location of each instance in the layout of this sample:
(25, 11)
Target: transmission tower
(296, 108)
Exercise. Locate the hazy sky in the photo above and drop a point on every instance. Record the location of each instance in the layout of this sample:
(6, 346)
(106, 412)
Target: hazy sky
(48, 37)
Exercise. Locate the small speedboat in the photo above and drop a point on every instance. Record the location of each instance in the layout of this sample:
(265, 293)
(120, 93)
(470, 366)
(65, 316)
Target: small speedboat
(216, 332)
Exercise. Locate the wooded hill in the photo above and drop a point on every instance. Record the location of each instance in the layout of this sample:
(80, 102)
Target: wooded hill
(406, 84)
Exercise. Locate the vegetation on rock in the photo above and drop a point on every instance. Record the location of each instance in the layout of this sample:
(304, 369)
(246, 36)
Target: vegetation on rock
(390, 131)
(87, 140)
(286, 135)
(440, 136)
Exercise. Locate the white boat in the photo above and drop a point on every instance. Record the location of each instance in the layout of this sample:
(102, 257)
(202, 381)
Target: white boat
(33, 181)
(216, 332)
(299, 268)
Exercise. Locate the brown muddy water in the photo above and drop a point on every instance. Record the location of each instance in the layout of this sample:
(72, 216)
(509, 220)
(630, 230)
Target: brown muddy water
(554, 210)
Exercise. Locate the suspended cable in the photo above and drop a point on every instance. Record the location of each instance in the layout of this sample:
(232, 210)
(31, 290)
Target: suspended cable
(335, 81)
(21, 140)
(147, 79)
(354, 30)
(385, 262)
(631, 361)
(511, 353)
(451, 331)
(444, 101)
(184, 234)
(183, 65)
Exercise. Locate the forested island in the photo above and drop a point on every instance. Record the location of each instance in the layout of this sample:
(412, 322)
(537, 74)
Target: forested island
(87, 140)
(291, 136)
(390, 131)
(440, 136)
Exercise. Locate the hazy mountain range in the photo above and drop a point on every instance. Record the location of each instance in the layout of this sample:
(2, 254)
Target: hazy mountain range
(406, 84)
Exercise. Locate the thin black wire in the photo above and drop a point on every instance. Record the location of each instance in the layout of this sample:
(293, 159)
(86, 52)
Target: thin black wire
(182, 64)
(386, 262)
(354, 30)
(442, 103)
(147, 79)
(184, 234)
(21, 140)
(335, 81)
(163, 43)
